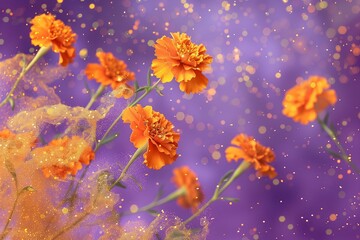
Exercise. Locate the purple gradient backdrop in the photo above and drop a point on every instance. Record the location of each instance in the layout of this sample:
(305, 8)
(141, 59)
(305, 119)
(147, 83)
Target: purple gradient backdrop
(284, 37)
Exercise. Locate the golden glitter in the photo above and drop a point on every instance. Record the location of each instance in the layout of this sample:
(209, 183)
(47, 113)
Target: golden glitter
(333, 217)
(65, 210)
(134, 208)
(262, 129)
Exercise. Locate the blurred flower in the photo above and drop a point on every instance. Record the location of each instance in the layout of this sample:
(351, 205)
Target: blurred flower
(123, 91)
(253, 152)
(152, 128)
(15, 147)
(185, 178)
(46, 32)
(63, 156)
(111, 71)
(5, 133)
(180, 58)
(304, 101)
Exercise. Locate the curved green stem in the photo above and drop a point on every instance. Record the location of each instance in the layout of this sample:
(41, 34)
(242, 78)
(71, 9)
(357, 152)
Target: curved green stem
(220, 189)
(42, 51)
(333, 137)
(137, 154)
(18, 194)
(4, 233)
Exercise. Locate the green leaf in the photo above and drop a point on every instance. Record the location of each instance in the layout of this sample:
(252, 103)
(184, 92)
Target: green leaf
(176, 234)
(11, 169)
(224, 178)
(108, 139)
(12, 103)
(160, 193)
(334, 154)
(136, 182)
(153, 212)
(86, 85)
(230, 199)
(159, 92)
(119, 184)
(326, 118)
(28, 189)
(148, 77)
(136, 85)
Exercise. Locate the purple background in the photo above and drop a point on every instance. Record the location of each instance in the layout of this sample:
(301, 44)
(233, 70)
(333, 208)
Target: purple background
(284, 37)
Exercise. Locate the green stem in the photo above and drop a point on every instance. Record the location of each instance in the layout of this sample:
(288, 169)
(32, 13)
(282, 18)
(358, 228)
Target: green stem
(72, 225)
(239, 170)
(79, 220)
(220, 189)
(170, 197)
(138, 152)
(147, 91)
(333, 137)
(42, 51)
(3, 234)
(95, 96)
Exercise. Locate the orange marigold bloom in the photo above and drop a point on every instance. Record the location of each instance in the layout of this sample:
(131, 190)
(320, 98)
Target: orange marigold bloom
(180, 58)
(63, 156)
(111, 71)
(184, 177)
(304, 101)
(152, 128)
(253, 152)
(46, 31)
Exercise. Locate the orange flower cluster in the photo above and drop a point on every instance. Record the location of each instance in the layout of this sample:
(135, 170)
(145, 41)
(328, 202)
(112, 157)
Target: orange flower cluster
(180, 58)
(63, 156)
(250, 150)
(46, 32)
(304, 101)
(111, 71)
(184, 177)
(152, 128)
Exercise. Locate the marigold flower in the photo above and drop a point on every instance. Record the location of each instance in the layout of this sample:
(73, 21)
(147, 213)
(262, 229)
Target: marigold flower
(180, 58)
(253, 152)
(184, 177)
(111, 71)
(63, 156)
(304, 101)
(46, 31)
(152, 128)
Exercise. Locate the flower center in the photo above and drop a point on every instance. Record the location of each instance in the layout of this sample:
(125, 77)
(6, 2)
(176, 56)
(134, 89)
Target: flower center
(188, 53)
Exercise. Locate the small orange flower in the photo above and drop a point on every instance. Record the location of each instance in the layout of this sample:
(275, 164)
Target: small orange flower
(111, 71)
(5, 133)
(180, 58)
(304, 101)
(184, 177)
(46, 32)
(253, 152)
(152, 128)
(63, 156)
